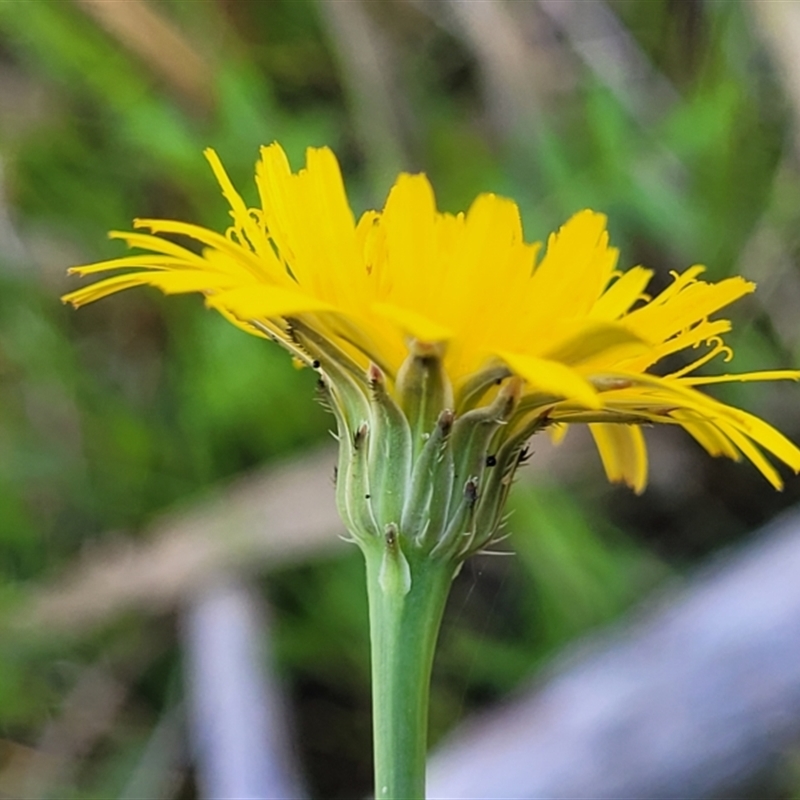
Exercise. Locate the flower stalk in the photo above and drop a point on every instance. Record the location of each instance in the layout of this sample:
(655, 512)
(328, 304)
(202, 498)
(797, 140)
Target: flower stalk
(406, 603)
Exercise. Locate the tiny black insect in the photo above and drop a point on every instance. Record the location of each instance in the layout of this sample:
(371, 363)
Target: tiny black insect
(491, 461)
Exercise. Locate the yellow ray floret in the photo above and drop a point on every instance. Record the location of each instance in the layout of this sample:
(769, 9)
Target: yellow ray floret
(581, 334)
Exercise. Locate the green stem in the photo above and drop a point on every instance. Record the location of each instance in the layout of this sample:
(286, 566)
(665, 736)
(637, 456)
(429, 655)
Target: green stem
(404, 625)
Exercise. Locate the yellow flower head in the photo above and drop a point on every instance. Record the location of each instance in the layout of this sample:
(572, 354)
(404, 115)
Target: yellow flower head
(562, 333)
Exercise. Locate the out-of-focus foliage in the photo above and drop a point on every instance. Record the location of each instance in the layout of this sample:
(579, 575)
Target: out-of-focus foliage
(111, 415)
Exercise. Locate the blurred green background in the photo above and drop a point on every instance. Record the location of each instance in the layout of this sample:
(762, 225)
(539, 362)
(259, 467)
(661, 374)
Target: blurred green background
(674, 118)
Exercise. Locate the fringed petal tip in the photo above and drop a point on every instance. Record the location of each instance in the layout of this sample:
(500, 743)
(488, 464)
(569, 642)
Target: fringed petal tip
(623, 452)
(138, 223)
